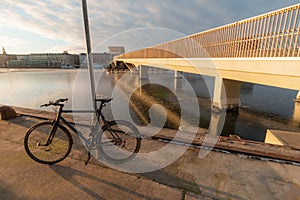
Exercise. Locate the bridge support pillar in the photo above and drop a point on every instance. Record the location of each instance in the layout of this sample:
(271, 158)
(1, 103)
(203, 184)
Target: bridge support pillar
(298, 97)
(177, 84)
(143, 72)
(296, 115)
(178, 74)
(226, 94)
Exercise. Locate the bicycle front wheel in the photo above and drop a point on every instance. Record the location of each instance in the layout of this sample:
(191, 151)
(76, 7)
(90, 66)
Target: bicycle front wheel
(41, 149)
(118, 141)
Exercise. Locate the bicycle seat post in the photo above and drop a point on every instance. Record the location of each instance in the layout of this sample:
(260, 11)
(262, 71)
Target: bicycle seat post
(59, 111)
(102, 105)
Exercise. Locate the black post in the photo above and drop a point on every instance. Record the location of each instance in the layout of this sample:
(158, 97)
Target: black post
(89, 55)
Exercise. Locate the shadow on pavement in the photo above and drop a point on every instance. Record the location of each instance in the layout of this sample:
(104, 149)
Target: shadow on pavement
(186, 185)
(24, 121)
(69, 174)
(6, 192)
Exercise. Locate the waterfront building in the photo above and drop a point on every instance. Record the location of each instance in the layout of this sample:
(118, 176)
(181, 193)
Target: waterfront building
(102, 59)
(99, 59)
(116, 50)
(45, 60)
(4, 58)
(30, 64)
(58, 60)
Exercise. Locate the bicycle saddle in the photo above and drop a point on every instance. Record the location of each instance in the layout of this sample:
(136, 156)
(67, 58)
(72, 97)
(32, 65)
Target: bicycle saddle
(104, 100)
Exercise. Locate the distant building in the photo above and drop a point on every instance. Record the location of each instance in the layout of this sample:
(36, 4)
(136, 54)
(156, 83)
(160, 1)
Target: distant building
(29, 64)
(99, 59)
(45, 60)
(116, 50)
(58, 60)
(3, 51)
(5, 58)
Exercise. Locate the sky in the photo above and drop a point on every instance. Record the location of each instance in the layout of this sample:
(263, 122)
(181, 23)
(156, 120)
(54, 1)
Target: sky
(39, 26)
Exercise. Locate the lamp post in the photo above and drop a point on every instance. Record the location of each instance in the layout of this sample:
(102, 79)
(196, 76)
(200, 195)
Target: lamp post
(89, 55)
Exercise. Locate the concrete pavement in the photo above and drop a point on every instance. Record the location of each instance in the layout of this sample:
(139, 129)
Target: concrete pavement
(217, 176)
(23, 178)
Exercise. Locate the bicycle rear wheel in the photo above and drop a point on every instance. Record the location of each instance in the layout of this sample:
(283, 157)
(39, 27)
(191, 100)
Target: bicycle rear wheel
(118, 141)
(35, 143)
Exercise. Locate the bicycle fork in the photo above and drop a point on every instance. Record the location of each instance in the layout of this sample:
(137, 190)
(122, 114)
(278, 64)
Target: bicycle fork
(51, 136)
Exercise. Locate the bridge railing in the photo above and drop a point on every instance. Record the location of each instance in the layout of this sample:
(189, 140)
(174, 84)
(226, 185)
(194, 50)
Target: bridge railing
(274, 34)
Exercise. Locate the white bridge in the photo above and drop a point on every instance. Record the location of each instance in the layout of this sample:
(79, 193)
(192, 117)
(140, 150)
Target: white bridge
(262, 49)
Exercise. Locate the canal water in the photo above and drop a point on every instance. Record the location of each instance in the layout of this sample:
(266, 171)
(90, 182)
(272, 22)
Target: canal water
(262, 107)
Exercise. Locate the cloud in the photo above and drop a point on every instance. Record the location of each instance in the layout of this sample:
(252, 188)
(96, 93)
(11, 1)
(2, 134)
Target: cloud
(51, 20)
(12, 41)
(62, 20)
(73, 49)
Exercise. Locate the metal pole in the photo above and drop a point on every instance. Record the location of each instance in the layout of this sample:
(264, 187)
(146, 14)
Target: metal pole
(89, 55)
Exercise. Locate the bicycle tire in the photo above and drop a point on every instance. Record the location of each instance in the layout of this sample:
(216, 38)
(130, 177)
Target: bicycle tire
(122, 151)
(55, 152)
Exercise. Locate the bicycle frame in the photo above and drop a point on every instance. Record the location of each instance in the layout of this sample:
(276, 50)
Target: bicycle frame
(60, 117)
(88, 144)
(56, 122)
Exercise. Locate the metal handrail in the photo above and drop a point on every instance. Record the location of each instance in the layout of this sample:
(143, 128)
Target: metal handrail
(274, 34)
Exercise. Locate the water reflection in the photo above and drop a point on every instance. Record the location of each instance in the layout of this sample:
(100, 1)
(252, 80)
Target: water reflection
(263, 108)
(31, 89)
(143, 99)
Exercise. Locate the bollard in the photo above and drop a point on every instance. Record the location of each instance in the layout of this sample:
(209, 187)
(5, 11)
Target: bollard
(7, 112)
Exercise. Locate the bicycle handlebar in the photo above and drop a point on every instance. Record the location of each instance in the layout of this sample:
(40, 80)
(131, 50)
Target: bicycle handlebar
(55, 103)
(59, 101)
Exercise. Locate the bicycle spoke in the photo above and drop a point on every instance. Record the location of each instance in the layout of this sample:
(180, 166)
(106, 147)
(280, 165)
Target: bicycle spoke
(119, 141)
(48, 153)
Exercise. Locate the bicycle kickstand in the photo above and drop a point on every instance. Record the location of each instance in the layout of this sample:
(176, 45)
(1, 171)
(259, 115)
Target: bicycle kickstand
(88, 158)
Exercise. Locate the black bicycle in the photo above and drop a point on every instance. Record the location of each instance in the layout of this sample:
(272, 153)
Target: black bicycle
(50, 142)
